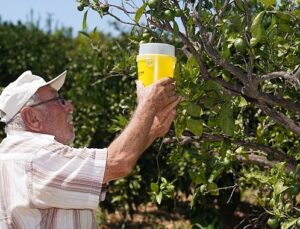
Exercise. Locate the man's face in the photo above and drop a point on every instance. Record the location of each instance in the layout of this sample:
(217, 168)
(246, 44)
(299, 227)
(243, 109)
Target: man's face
(57, 118)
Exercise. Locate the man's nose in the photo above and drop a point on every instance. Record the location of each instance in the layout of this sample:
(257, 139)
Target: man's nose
(69, 106)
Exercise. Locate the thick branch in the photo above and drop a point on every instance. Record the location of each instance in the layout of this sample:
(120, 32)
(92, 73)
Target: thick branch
(280, 118)
(262, 161)
(252, 158)
(278, 101)
(257, 160)
(275, 75)
(279, 155)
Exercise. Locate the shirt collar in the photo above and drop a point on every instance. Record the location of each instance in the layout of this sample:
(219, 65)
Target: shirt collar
(27, 134)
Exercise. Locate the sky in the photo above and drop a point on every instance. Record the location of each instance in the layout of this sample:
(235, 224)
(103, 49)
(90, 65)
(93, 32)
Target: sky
(63, 12)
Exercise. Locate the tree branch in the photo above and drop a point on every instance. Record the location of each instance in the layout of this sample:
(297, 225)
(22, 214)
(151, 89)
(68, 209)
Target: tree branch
(184, 140)
(215, 55)
(278, 101)
(275, 75)
(280, 118)
(252, 158)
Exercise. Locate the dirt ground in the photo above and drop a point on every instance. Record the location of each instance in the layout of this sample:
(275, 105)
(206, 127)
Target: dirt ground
(149, 216)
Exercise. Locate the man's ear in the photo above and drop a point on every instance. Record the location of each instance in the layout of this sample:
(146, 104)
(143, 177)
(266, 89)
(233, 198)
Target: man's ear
(31, 118)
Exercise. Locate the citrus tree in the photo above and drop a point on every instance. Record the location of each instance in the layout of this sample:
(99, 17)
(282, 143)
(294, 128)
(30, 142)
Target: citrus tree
(238, 127)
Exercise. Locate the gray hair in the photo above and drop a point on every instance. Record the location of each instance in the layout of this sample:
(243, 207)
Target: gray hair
(17, 123)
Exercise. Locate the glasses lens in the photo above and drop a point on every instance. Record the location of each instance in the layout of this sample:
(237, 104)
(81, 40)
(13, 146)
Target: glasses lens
(62, 99)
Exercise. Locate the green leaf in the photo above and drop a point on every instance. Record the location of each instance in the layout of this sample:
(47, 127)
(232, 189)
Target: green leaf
(194, 110)
(240, 5)
(279, 187)
(225, 53)
(210, 85)
(195, 126)
(213, 189)
(84, 20)
(116, 199)
(192, 62)
(159, 197)
(226, 120)
(216, 172)
(84, 33)
(180, 125)
(197, 177)
(242, 102)
(257, 29)
(140, 12)
(268, 3)
(288, 223)
(192, 67)
(175, 30)
(154, 187)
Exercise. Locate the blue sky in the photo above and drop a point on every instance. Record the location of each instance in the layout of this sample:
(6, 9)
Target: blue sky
(63, 12)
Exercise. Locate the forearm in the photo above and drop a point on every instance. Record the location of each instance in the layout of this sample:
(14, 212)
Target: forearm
(129, 145)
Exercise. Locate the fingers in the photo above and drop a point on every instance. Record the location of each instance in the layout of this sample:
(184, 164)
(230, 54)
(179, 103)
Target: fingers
(165, 81)
(172, 105)
(172, 99)
(169, 110)
(170, 87)
(160, 94)
(139, 84)
(166, 123)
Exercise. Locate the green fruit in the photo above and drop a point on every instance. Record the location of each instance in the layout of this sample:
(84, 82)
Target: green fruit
(146, 35)
(226, 77)
(178, 12)
(273, 223)
(153, 3)
(168, 14)
(80, 6)
(240, 45)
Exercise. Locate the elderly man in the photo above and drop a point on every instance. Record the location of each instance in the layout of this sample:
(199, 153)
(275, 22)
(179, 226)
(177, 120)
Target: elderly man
(46, 184)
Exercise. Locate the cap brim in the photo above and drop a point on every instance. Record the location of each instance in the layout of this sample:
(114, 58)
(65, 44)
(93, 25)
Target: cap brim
(58, 81)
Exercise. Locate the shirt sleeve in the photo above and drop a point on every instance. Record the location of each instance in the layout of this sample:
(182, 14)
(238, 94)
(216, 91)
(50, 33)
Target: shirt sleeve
(65, 177)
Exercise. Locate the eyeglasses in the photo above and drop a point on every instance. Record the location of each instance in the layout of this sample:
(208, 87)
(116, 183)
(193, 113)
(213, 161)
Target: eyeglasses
(59, 97)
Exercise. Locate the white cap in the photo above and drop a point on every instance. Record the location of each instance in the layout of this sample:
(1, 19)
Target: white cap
(17, 93)
(157, 48)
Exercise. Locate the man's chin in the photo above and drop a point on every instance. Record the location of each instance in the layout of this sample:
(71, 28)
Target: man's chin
(66, 141)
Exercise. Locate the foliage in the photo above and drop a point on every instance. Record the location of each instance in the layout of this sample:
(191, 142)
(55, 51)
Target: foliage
(238, 71)
(237, 127)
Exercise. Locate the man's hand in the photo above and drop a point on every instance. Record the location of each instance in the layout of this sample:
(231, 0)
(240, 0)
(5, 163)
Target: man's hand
(163, 120)
(159, 95)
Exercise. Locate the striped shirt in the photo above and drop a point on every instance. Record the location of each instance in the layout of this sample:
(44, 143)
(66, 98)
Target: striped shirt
(45, 184)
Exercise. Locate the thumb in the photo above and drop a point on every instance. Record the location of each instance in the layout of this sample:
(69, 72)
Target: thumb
(139, 85)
